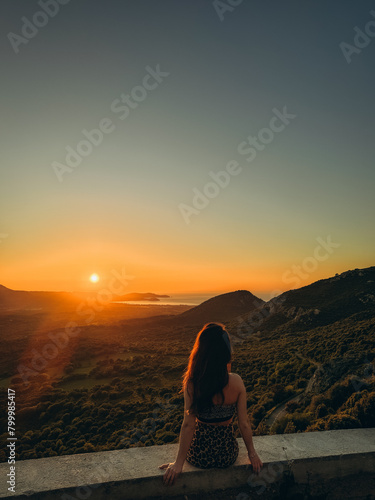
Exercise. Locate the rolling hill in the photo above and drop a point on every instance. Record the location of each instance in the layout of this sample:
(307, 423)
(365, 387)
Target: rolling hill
(320, 303)
(222, 308)
(24, 300)
(306, 359)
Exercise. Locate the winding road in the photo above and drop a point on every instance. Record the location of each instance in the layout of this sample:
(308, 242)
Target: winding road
(280, 410)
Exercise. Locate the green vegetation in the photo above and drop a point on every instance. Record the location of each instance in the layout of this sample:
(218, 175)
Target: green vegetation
(103, 403)
(117, 386)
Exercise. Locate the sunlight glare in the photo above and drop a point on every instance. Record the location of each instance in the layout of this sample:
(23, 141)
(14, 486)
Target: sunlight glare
(94, 278)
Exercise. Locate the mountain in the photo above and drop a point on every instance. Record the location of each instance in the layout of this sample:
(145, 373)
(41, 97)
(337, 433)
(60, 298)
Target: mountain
(221, 308)
(318, 304)
(141, 296)
(306, 358)
(24, 300)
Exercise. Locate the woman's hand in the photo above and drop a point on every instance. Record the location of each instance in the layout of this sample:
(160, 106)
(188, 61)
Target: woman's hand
(172, 472)
(255, 461)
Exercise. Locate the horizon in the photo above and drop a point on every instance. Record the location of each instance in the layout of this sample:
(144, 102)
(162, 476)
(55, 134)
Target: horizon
(193, 148)
(264, 295)
(219, 156)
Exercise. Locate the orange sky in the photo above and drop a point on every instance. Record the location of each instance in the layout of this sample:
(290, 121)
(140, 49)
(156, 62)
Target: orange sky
(157, 271)
(204, 94)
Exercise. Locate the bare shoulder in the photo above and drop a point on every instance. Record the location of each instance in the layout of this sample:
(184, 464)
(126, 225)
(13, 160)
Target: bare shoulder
(236, 380)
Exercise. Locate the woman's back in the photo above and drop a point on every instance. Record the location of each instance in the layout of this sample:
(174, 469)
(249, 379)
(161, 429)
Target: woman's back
(212, 443)
(230, 391)
(222, 411)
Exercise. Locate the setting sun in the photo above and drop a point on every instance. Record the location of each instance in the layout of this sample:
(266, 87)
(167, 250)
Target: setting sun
(94, 278)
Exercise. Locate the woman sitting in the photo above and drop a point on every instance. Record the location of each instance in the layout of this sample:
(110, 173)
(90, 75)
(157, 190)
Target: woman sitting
(212, 394)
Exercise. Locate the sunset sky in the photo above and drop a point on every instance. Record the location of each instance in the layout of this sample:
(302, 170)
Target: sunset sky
(179, 87)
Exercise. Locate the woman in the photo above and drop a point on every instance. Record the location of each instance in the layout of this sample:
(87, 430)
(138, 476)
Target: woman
(212, 393)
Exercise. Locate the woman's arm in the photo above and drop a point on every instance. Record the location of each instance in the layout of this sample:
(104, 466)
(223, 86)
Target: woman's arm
(186, 435)
(245, 427)
(187, 429)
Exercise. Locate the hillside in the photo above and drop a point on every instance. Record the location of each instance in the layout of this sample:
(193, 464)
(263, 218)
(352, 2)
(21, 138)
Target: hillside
(24, 300)
(152, 297)
(221, 308)
(306, 358)
(308, 355)
(318, 304)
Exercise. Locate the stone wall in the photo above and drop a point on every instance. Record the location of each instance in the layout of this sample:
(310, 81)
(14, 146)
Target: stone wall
(334, 464)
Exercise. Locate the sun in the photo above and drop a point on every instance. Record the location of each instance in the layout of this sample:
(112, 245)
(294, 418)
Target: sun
(94, 278)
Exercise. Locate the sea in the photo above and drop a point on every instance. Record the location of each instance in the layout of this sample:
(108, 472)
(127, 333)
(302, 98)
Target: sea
(172, 300)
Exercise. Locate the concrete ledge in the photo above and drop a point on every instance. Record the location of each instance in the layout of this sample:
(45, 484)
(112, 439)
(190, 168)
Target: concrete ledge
(305, 462)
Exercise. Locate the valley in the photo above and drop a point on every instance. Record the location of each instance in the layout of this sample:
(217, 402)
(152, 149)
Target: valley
(306, 358)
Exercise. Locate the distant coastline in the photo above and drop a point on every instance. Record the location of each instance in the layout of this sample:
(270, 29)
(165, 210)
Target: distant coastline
(166, 300)
(148, 297)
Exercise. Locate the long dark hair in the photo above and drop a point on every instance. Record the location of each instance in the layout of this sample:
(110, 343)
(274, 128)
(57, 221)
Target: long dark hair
(207, 367)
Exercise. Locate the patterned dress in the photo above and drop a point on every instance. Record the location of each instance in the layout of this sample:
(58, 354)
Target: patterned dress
(214, 445)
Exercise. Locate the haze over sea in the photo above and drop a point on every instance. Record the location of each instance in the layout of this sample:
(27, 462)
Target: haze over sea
(173, 300)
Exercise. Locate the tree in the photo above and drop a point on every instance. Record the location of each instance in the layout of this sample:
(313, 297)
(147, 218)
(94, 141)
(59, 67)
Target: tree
(290, 428)
(342, 421)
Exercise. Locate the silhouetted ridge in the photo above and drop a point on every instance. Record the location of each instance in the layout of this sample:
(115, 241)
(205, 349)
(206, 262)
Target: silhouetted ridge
(222, 308)
(320, 303)
(23, 300)
(142, 296)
